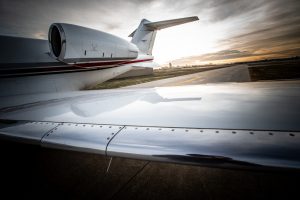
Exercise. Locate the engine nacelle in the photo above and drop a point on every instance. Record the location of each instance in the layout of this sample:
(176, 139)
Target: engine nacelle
(71, 43)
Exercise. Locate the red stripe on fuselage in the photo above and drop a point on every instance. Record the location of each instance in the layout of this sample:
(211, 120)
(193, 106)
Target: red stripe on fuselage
(68, 68)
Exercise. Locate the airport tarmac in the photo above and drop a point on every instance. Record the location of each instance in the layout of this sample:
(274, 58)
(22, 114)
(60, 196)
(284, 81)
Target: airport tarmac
(28, 171)
(236, 73)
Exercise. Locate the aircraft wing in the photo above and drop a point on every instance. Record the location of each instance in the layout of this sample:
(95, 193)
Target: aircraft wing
(243, 125)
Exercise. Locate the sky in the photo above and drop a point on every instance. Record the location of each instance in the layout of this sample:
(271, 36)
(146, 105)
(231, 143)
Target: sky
(228, 30)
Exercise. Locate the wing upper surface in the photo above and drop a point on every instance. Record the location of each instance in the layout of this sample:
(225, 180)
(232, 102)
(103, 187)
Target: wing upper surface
(259, 106)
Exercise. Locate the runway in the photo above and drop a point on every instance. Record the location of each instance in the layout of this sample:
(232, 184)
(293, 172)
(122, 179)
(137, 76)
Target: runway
(236, 73)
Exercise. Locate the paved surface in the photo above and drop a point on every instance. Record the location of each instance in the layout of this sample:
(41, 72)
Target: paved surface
(237, 73)
(31, 172)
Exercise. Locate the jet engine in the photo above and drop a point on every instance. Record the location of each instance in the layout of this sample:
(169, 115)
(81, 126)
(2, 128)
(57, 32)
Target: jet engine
(71, 44)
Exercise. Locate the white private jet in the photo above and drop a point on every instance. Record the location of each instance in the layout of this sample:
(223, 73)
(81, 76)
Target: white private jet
(243, 125)
(75, 57)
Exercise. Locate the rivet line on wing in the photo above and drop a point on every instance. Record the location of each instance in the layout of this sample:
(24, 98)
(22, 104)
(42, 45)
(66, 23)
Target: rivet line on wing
(49, 132)
(110, 139)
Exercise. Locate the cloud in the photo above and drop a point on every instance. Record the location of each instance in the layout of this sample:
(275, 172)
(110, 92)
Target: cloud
(225, 54)
(224, 9)
(213, 57)
(231, 56)
(27, 19)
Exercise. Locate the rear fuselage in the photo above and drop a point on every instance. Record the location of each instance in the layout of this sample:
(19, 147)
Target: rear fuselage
(31, 66)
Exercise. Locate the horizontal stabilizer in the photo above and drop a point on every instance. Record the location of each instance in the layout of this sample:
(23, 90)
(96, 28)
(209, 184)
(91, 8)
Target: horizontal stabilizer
(168, 23)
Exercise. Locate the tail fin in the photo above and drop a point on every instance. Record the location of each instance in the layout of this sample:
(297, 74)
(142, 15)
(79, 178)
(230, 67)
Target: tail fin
(144, 35)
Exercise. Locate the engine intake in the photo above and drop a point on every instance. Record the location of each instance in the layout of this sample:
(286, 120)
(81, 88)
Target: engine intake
(55, 41)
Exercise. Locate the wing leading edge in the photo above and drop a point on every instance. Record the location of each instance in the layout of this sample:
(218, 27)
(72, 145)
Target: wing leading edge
(246, 149)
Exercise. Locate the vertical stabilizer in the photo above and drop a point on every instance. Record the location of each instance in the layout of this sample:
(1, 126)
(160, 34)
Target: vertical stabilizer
(144, 35)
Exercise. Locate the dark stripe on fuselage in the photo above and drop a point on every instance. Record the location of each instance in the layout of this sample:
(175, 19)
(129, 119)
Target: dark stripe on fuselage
(63, 68)
(10, 66)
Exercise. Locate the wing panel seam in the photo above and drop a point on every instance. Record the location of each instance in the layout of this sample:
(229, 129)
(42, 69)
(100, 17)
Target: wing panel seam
(49, 132)
(112, 139)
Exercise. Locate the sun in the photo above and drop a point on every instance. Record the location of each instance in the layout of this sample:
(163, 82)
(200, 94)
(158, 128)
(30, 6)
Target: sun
(185, 40)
